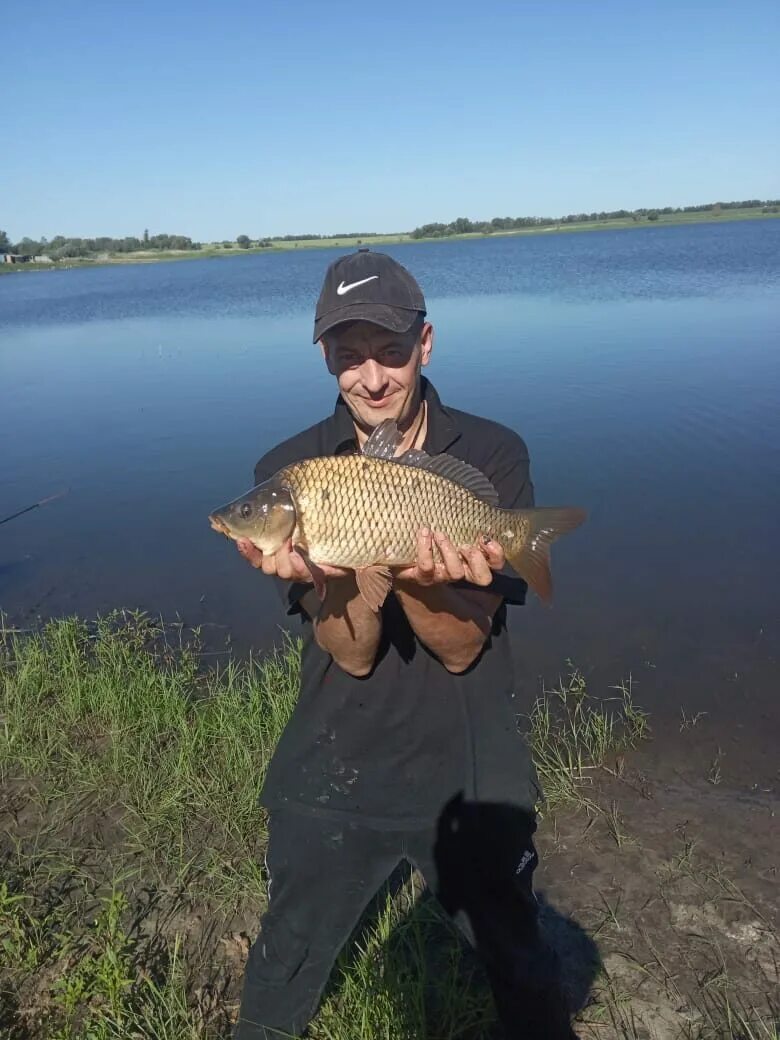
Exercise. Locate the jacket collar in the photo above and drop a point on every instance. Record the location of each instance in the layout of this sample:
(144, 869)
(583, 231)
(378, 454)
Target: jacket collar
(442, 427)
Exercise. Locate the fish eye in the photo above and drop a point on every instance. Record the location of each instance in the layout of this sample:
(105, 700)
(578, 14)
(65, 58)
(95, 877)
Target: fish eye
(245, 511)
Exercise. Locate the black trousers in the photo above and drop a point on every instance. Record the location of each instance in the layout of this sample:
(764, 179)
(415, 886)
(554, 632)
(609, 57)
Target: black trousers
(478, 860)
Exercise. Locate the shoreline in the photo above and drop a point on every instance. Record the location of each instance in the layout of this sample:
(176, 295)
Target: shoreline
(402, 238)
(157, 862)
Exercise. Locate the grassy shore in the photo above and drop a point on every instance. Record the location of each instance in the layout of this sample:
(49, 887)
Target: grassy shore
(132, 854)
(218, 250)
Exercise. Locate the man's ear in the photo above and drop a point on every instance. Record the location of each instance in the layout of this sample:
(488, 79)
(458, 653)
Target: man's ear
(426, 343)
(325, 349)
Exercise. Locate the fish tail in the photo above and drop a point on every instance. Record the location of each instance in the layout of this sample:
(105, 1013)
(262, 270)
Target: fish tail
(527, 538)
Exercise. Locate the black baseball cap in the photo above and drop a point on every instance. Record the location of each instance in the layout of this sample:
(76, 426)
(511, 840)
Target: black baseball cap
(366, 286)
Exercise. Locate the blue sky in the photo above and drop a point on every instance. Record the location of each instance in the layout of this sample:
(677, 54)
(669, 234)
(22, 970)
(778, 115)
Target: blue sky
(260, 117)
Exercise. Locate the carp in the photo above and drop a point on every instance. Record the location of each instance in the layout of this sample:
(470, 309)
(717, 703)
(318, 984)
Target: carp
(364, 511)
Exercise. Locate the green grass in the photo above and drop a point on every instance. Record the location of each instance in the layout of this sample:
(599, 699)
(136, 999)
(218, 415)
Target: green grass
(16, 268)
(102, 983)
(138, 771)
(119, 713)
(572, 735)
(133, 844)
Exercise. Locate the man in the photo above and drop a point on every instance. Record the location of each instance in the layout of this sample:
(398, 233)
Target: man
(403, 744)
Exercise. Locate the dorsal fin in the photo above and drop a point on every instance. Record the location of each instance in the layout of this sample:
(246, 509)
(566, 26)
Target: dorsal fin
(383, 442)
(459, 472)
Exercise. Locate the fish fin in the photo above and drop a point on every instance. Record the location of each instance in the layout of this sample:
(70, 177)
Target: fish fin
(532, 560)
(414, 457)
(374, 584)
(384, 441)
(316, 573)
(450, 468)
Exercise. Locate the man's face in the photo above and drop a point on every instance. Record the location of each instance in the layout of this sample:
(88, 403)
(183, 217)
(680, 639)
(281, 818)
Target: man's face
(378, 371)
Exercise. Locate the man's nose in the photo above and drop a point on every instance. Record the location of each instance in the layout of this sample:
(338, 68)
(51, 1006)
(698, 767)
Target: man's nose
(374, 378)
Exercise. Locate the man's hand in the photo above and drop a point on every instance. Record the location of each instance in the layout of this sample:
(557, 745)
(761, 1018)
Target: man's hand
(344, 624)
(454, 623)
(472, 563)
(286, 562)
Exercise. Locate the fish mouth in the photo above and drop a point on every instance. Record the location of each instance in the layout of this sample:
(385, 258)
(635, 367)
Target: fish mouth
(218, 524)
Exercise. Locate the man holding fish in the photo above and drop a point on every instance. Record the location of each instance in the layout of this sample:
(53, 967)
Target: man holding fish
(389, 526)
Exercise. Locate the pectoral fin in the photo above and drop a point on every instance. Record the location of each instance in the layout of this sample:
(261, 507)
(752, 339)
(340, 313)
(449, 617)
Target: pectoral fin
(374, 584)
(316, 574)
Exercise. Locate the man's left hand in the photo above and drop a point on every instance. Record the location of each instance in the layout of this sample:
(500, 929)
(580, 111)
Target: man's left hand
(472, 563)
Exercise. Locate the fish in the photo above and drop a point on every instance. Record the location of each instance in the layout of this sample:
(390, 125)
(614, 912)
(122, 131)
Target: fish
(363, 512)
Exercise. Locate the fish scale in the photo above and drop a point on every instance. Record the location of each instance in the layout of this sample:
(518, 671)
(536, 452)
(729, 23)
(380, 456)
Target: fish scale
(354, 511)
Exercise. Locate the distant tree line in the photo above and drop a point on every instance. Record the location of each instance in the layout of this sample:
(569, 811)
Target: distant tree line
(464, 226)
(60, 247)
(244, 241)
(325, 238)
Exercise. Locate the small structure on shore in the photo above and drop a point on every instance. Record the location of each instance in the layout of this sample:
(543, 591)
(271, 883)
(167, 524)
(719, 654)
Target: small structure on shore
(25, 258)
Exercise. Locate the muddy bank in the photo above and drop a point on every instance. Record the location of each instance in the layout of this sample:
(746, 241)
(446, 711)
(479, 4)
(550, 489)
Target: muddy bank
(678, 886)
(663, 905)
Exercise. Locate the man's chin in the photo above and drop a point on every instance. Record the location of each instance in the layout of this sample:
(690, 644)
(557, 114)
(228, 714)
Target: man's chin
(371, 416)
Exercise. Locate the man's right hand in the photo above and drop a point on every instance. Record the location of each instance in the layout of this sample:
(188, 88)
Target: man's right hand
(286, 563)
(344, 625)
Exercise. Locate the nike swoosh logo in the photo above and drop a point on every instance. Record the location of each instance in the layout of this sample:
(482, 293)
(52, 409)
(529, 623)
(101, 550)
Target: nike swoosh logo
(341, 289)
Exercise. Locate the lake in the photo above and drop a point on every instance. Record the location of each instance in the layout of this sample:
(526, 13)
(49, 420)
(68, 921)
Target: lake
(642, 367)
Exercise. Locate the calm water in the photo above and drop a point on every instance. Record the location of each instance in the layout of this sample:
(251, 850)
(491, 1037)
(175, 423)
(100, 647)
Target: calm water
(641, 367)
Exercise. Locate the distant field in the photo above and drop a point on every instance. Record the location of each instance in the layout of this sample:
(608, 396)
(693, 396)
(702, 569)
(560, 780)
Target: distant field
(216, 249)
(596, 225)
